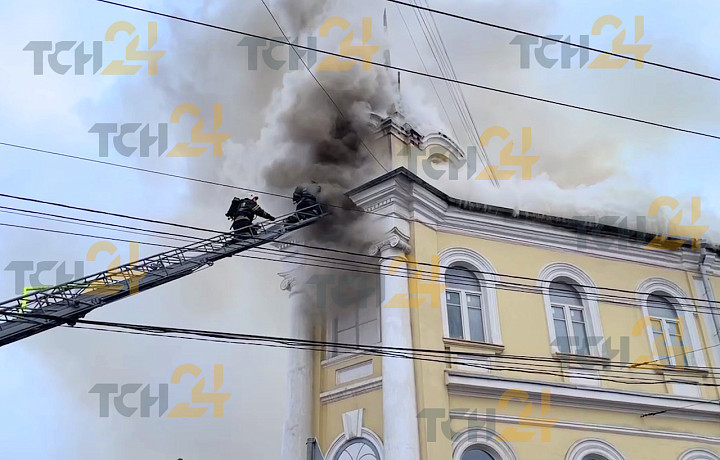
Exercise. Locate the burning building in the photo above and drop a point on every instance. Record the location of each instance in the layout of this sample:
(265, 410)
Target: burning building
(470, 331)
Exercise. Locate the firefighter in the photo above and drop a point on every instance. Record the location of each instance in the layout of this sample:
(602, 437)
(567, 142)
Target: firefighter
(243, 211)
(306, 202)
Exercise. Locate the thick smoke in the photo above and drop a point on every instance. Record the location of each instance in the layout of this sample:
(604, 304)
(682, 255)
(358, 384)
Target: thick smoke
(315, 142)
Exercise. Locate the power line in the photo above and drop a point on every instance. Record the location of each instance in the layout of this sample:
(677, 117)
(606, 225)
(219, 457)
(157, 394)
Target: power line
(442, 58)
(549, 38)
(351, 253)
(356, 266)
(220, 184)
(415, 72)
(423, 354)
(432, 83)
(635, 364)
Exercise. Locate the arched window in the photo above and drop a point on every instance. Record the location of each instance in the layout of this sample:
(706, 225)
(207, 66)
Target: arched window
(573, 315)
(357, 449)
(667, 330)
(569, 317)
(463, 299)
(699, 454)
(469, 304)
(477, 453)
(593, 449)
(482, 444)
(669, 323)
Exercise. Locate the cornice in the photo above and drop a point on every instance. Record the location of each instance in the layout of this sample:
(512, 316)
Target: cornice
(564, 394)
(402, 194)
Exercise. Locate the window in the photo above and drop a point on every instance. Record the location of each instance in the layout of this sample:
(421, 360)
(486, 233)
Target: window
(699, 454)
(593, 449)
(354, 310)
(482, 444)
(670, 324)
(572, 312)
(667, 330)
(568, 314)
(463, 299)
(357, 449)
(477, 453)
(470, 307)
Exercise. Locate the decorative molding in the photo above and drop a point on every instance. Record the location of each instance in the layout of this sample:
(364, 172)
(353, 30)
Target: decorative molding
(395, 239)
(579, 396)
(486, 275)
(589, 295)
(586, 447)
(584, 427)
(684, 310)
(354, 372)
(353, 423)
(486, 438)
(699, 454)
(413, 198)
(288, 281)
(352, 390)
(366, 434)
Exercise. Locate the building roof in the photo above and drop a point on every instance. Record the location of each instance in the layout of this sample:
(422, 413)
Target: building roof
(575, 225)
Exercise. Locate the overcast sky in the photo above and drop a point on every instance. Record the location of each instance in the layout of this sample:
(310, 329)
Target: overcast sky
(589, 164)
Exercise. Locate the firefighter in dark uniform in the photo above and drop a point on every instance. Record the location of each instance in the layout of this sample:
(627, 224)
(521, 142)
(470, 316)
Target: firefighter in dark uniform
(306, 202)
(243, 211)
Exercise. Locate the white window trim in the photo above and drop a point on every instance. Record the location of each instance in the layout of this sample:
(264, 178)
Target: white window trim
(585, 447)
(567, 319)
(331, 333)
(698, 454)
(588, 295)
(367, 435)
(685, 311)
(482, 437)
(465, 313)
(488, 293)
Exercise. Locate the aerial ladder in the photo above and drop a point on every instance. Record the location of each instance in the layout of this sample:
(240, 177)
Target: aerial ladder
(45, 309)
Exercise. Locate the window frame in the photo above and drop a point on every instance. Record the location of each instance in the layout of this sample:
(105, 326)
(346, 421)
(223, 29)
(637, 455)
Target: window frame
(465, 310)
(678, 321)
(588, 296)
(683, 308)
(331, 352)
(485, 438)
(486, 275)
(567, 319)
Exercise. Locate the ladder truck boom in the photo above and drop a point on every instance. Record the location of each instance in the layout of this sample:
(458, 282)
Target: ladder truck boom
(45, 309)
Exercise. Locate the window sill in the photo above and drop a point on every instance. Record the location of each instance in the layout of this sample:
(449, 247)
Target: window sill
(482, 346)
(673, 371)
(586, 360)
(343, 358)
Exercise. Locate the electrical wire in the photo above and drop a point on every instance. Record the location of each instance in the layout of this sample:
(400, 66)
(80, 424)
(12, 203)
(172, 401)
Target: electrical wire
(289, 43)
(375, 272)
(415, 72)
(414, 273)
(422, 354)
(550, 38)
(541, 359)
(434, 226)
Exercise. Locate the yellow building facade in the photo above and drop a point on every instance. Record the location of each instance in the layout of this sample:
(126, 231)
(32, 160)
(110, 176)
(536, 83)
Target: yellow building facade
(534, 337)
